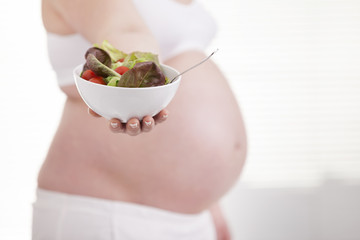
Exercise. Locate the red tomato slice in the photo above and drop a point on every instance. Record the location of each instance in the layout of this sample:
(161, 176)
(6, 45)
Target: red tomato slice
(88, 74)
(98, 80)
(121, 70)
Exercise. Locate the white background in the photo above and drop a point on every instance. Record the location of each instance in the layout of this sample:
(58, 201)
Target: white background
(294, 67)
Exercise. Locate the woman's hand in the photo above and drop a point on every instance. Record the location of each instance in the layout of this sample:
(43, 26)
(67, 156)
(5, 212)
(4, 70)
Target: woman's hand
(134, 127)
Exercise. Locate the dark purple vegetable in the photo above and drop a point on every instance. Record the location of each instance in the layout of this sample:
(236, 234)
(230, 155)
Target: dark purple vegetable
(143, 74)
(100, 54)
(99, 68)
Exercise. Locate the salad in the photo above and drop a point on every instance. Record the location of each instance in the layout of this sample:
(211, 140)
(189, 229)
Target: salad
(109, 66)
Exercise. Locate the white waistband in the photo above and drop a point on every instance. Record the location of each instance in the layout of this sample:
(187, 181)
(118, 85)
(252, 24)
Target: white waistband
(61, 216)
(104, 206)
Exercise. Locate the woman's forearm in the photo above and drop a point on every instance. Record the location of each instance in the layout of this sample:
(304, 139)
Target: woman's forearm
(221, 226)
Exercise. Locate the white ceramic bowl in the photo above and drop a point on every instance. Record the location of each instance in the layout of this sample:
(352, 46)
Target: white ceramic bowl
(126, 103)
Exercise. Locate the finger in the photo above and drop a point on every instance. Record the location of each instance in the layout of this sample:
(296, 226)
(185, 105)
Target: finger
(116, 126)
(92, 113)
(133, 127)
(161, 116)
(147, 124)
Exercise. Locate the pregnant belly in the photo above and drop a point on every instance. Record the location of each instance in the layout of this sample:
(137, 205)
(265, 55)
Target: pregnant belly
(184, 164)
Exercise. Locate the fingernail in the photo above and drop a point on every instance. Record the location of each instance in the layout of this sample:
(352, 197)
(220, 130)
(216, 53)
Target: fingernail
(133, 125)
(114, 124)
(147, 123)
(165, 116)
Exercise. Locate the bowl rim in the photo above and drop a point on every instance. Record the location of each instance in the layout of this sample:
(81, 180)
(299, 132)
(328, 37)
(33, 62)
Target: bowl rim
(77, 76)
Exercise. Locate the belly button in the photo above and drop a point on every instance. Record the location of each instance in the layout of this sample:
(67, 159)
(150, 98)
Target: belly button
(237, 145)
(240, 149)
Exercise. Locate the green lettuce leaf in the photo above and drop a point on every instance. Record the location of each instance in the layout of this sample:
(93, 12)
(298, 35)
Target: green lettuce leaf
(143, 74)
(112, 81)
(114, 53)
(137, 57)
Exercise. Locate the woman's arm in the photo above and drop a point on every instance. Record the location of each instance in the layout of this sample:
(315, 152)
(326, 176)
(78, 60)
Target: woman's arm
(114, 20)
(221, 226)
(118, 22)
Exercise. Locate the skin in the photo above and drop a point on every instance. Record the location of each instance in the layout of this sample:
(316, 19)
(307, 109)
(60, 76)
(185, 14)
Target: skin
(183, 160)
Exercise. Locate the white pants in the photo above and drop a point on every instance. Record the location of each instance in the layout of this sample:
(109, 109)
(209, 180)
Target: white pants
(59, 216)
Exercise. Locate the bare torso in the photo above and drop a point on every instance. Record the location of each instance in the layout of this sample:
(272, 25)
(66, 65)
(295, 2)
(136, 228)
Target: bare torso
(185, 164)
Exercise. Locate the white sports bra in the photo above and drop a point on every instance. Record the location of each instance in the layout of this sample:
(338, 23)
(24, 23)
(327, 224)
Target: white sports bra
(176, 27)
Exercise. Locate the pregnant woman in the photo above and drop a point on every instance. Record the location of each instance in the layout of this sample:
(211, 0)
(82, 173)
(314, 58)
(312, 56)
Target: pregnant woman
(103, 180)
